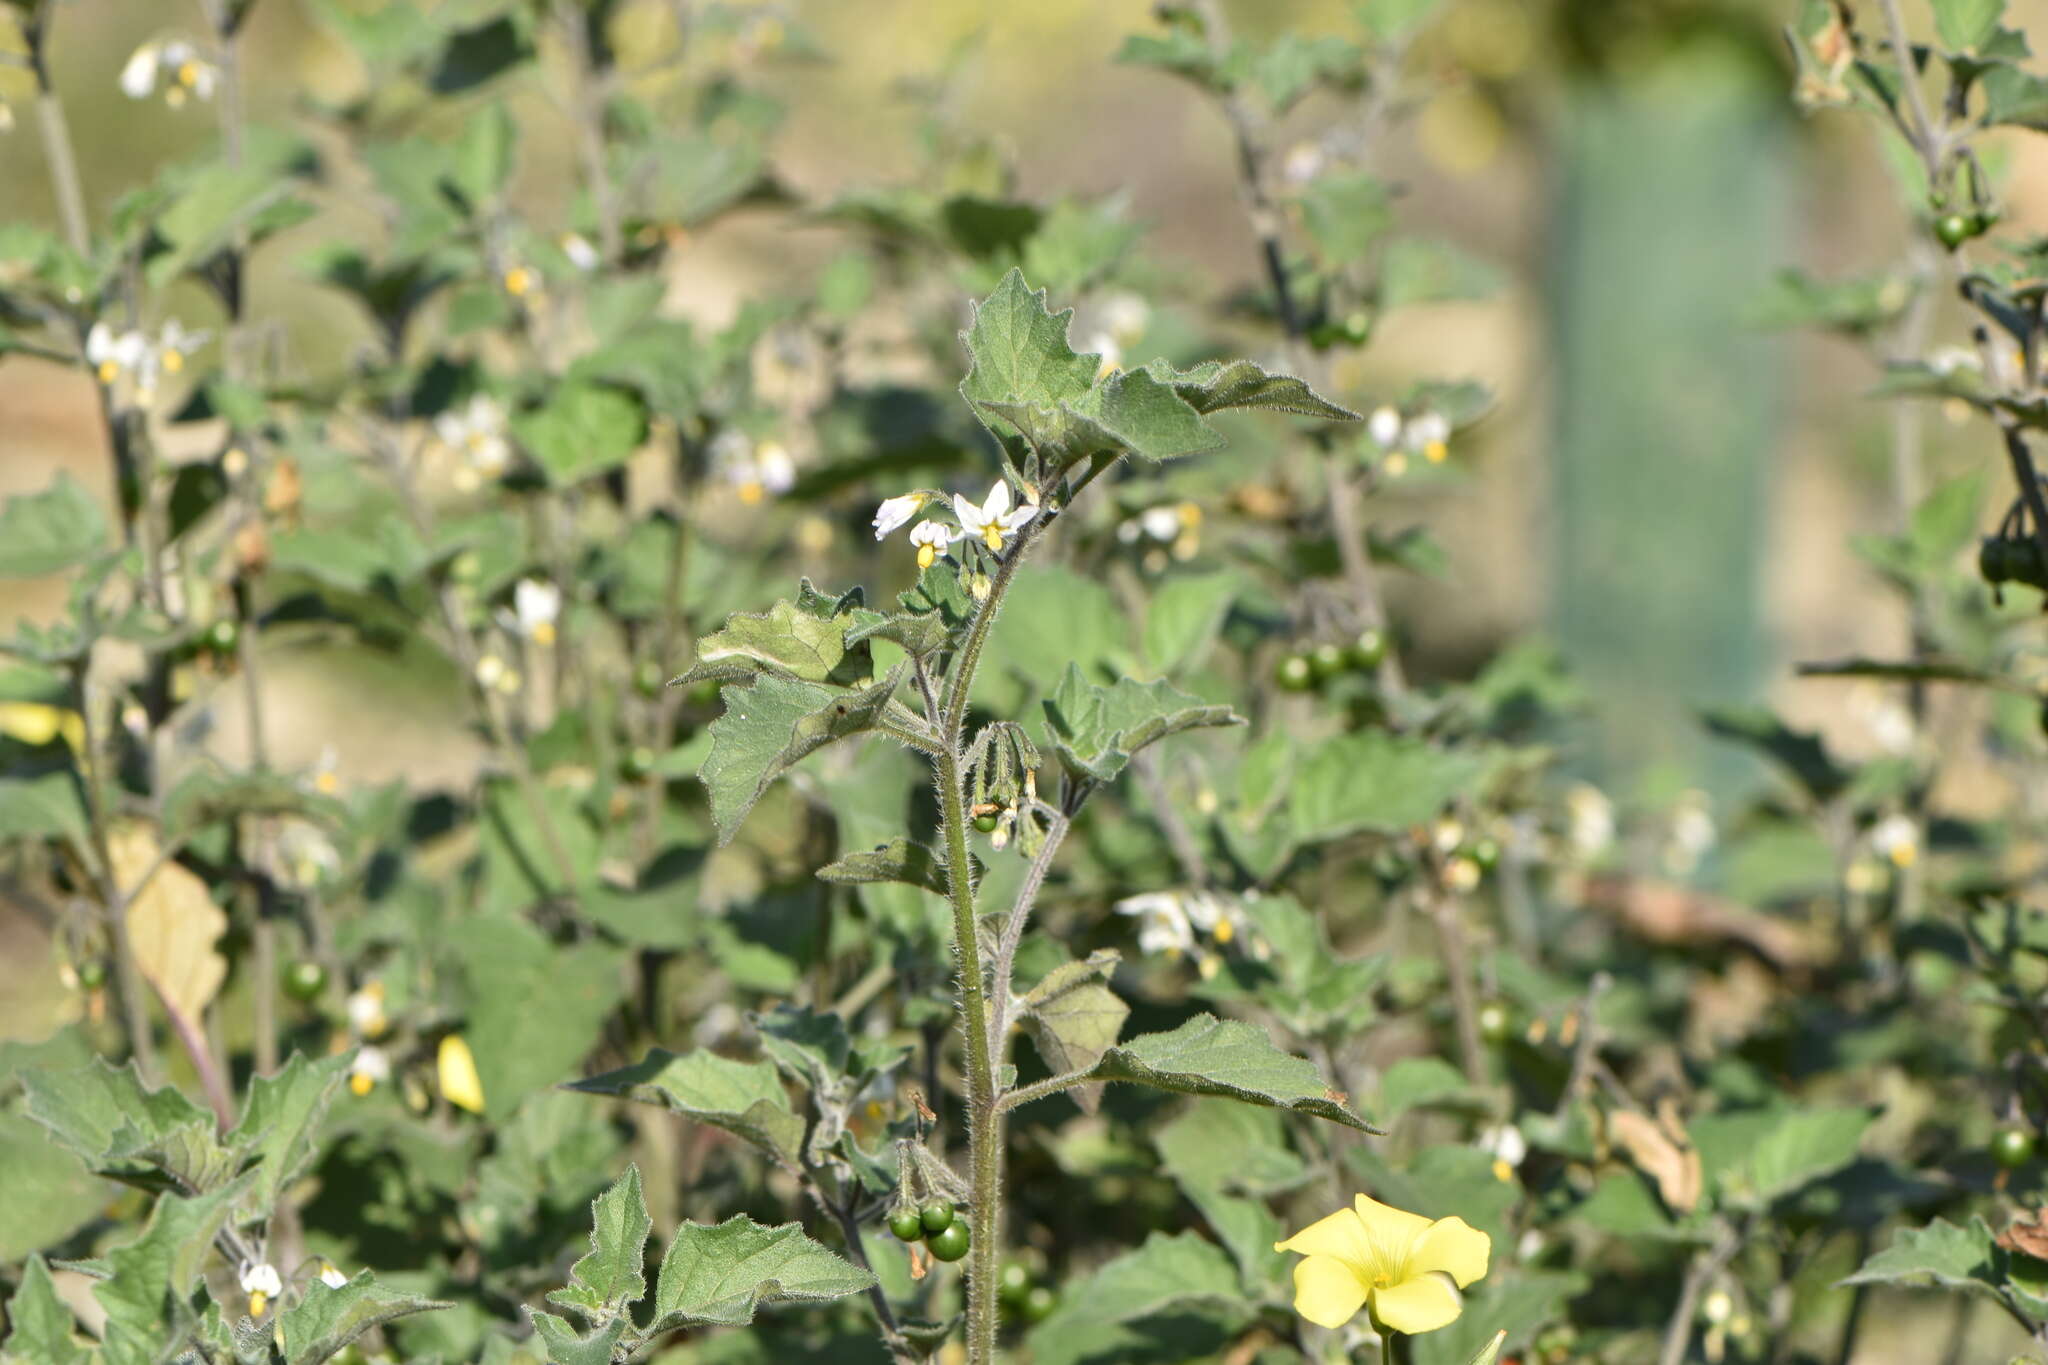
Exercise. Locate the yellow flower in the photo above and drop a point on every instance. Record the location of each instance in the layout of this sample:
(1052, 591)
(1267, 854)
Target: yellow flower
(1404, 1268)
(460, 1085)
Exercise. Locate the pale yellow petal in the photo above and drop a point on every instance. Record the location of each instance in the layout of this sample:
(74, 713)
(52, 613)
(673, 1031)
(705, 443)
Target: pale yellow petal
(460, 1083)
(1422, 1304)
(1327, 1291)
(1390, 1232)
(1339, 1235)
(1454, 1247)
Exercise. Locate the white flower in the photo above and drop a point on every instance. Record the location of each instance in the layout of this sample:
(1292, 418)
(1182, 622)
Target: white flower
(370, 1068)
(755, 471)
(1161, 522)
(1163, 925)
(895, 511)
(306, 857)
(262, 1279)
(189, 73)
(331, 1276)
(1949, 359)
(1303, 163)
(174, 343)
(112, 354)
(1125, 317)
(366, 1010)
(535, 607)
(1897, 838)
(138, 76)
(580, 252)
(1504, 1143)
(1592, 819)
(993, 521)
(931, 539)
(777, 468)
(1106, 345)
(477, 433)
(1384, 426)
(1888, 723)
(1429, 435)
(1692, 832)
(1220, 917)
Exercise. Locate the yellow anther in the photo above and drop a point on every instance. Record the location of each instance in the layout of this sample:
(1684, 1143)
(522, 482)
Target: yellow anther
(518, 281)
(257, 1301)
(360, 1083)
(1436, 452)
(109, 371)
(926, 556)
(544, 633)
(752, 491)
(1224, 931)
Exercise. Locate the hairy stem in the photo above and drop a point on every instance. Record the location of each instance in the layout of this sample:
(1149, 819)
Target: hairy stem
(58, 152)
(127, 978)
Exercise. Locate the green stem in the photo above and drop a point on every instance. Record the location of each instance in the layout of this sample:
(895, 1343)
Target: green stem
(57, 149)
(1386, 1348)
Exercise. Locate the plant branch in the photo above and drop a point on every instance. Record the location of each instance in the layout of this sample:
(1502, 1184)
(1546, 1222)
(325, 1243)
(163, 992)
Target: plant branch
(58, 152)
(1926, 138)
(1039, 1090)
(1013, 927)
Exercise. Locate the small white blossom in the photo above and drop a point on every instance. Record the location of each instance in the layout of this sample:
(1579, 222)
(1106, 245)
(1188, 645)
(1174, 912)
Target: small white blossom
(1897, 838)
(1125, 317)
(476, 432)
(112, 354)
(1105, 345)
(1161, 522)
(331, 1276)
(931, 539)
(993, 521)
(536, 606)
(756, 472)
(1163, 925)
(894, 512)
(1949, 359)
(366, 1010)
(306, 857)
(1384, 426)
(177, 63)
(580, 252)
(1504, 1143)
(1428, 434)
(371, 1068)
(174, 343)
(1303, 163)
(261, 1283)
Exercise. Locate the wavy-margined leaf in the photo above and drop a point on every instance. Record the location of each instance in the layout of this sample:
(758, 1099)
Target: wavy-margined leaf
(1020, 356)
(328, 1318)
(582, 430)
(103, 1114)
(1215, 385)
(42, 1329)
(1376, 781)
(722, 1274)
(280, 1123)
(1965, 1258)
(786, 639)
(744, 1098)
(1095, 730)
(147, 1292)
(567, 1346)
(1167, 1273)
(773, 724)
(609, 1277)
(1230, 1059)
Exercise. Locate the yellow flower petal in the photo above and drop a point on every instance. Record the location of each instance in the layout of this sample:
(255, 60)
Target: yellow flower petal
(459, 1081)
(1422, 1304)
(1327, 1291)
(1453, 1246)
(1340, 1235)
(1390, 1230)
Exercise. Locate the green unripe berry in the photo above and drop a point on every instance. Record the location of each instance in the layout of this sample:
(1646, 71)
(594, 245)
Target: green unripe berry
(1485, 851)
(936, 1216)
(92, 973)
(1013, 1283)
(986, 822)
(1953, 229)
(2012, 1147)
(1369, 650)
(1326, 661)
(637, 763)
(1039, 1303)
(1294, 673)
(303, 979)
(223, 635)
(906, 1224)
(1357, 327)
(647, 680)
(951, 1244)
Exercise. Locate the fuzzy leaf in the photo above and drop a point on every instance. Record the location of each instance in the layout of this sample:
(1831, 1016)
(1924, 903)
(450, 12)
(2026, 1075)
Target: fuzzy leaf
(770, 726)
(326, 1320)
(103, 1114)
(744, 1098)
(1020, 354)
(1214, 385)
(1074, 1018)
(898, 860)
(1095, 729)
(583, 430)
(567, 1346)
(722, 1274)
(1376, 781)
(786, 639)
(1964, 25)
(281, 1122)
(1166, 1273)
(1230, 1059)
(150, 1280)
(1147, 417)
(1941, 1253)
(43, 1330)
(609, 1277)
(48, 532)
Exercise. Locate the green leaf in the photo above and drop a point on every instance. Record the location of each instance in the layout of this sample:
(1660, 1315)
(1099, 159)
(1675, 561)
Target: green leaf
(567, 1346)
(222, 201)
(898, 860)
(151, 1279)
(474, 56)
(46, 807)
(772, 725)
(507, 964)
(1074, 1017)
(1391, 19)
(2013, 96)
(1801, 1146)
(1942, 1254)
(1184, 617)
(582, 430)
(609, 1278)
(326, 1319)
(43, 1331)
(1345, 214)
(1145, 416)
(1215, 386)
(48, 1194)
(1020, 355)
(101, 1112)
(1230, 1059)
(1503, 1311)
(1965, 25)
(1166, 1273)
(1416, 1081)
(48, 532)
(1803, 754)
(722, 1274)
(744, 1098)
(208, 794)
(1095, 730)
(1215, 1144)
(787, 639)
(280, 1124)
(1373, 780)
